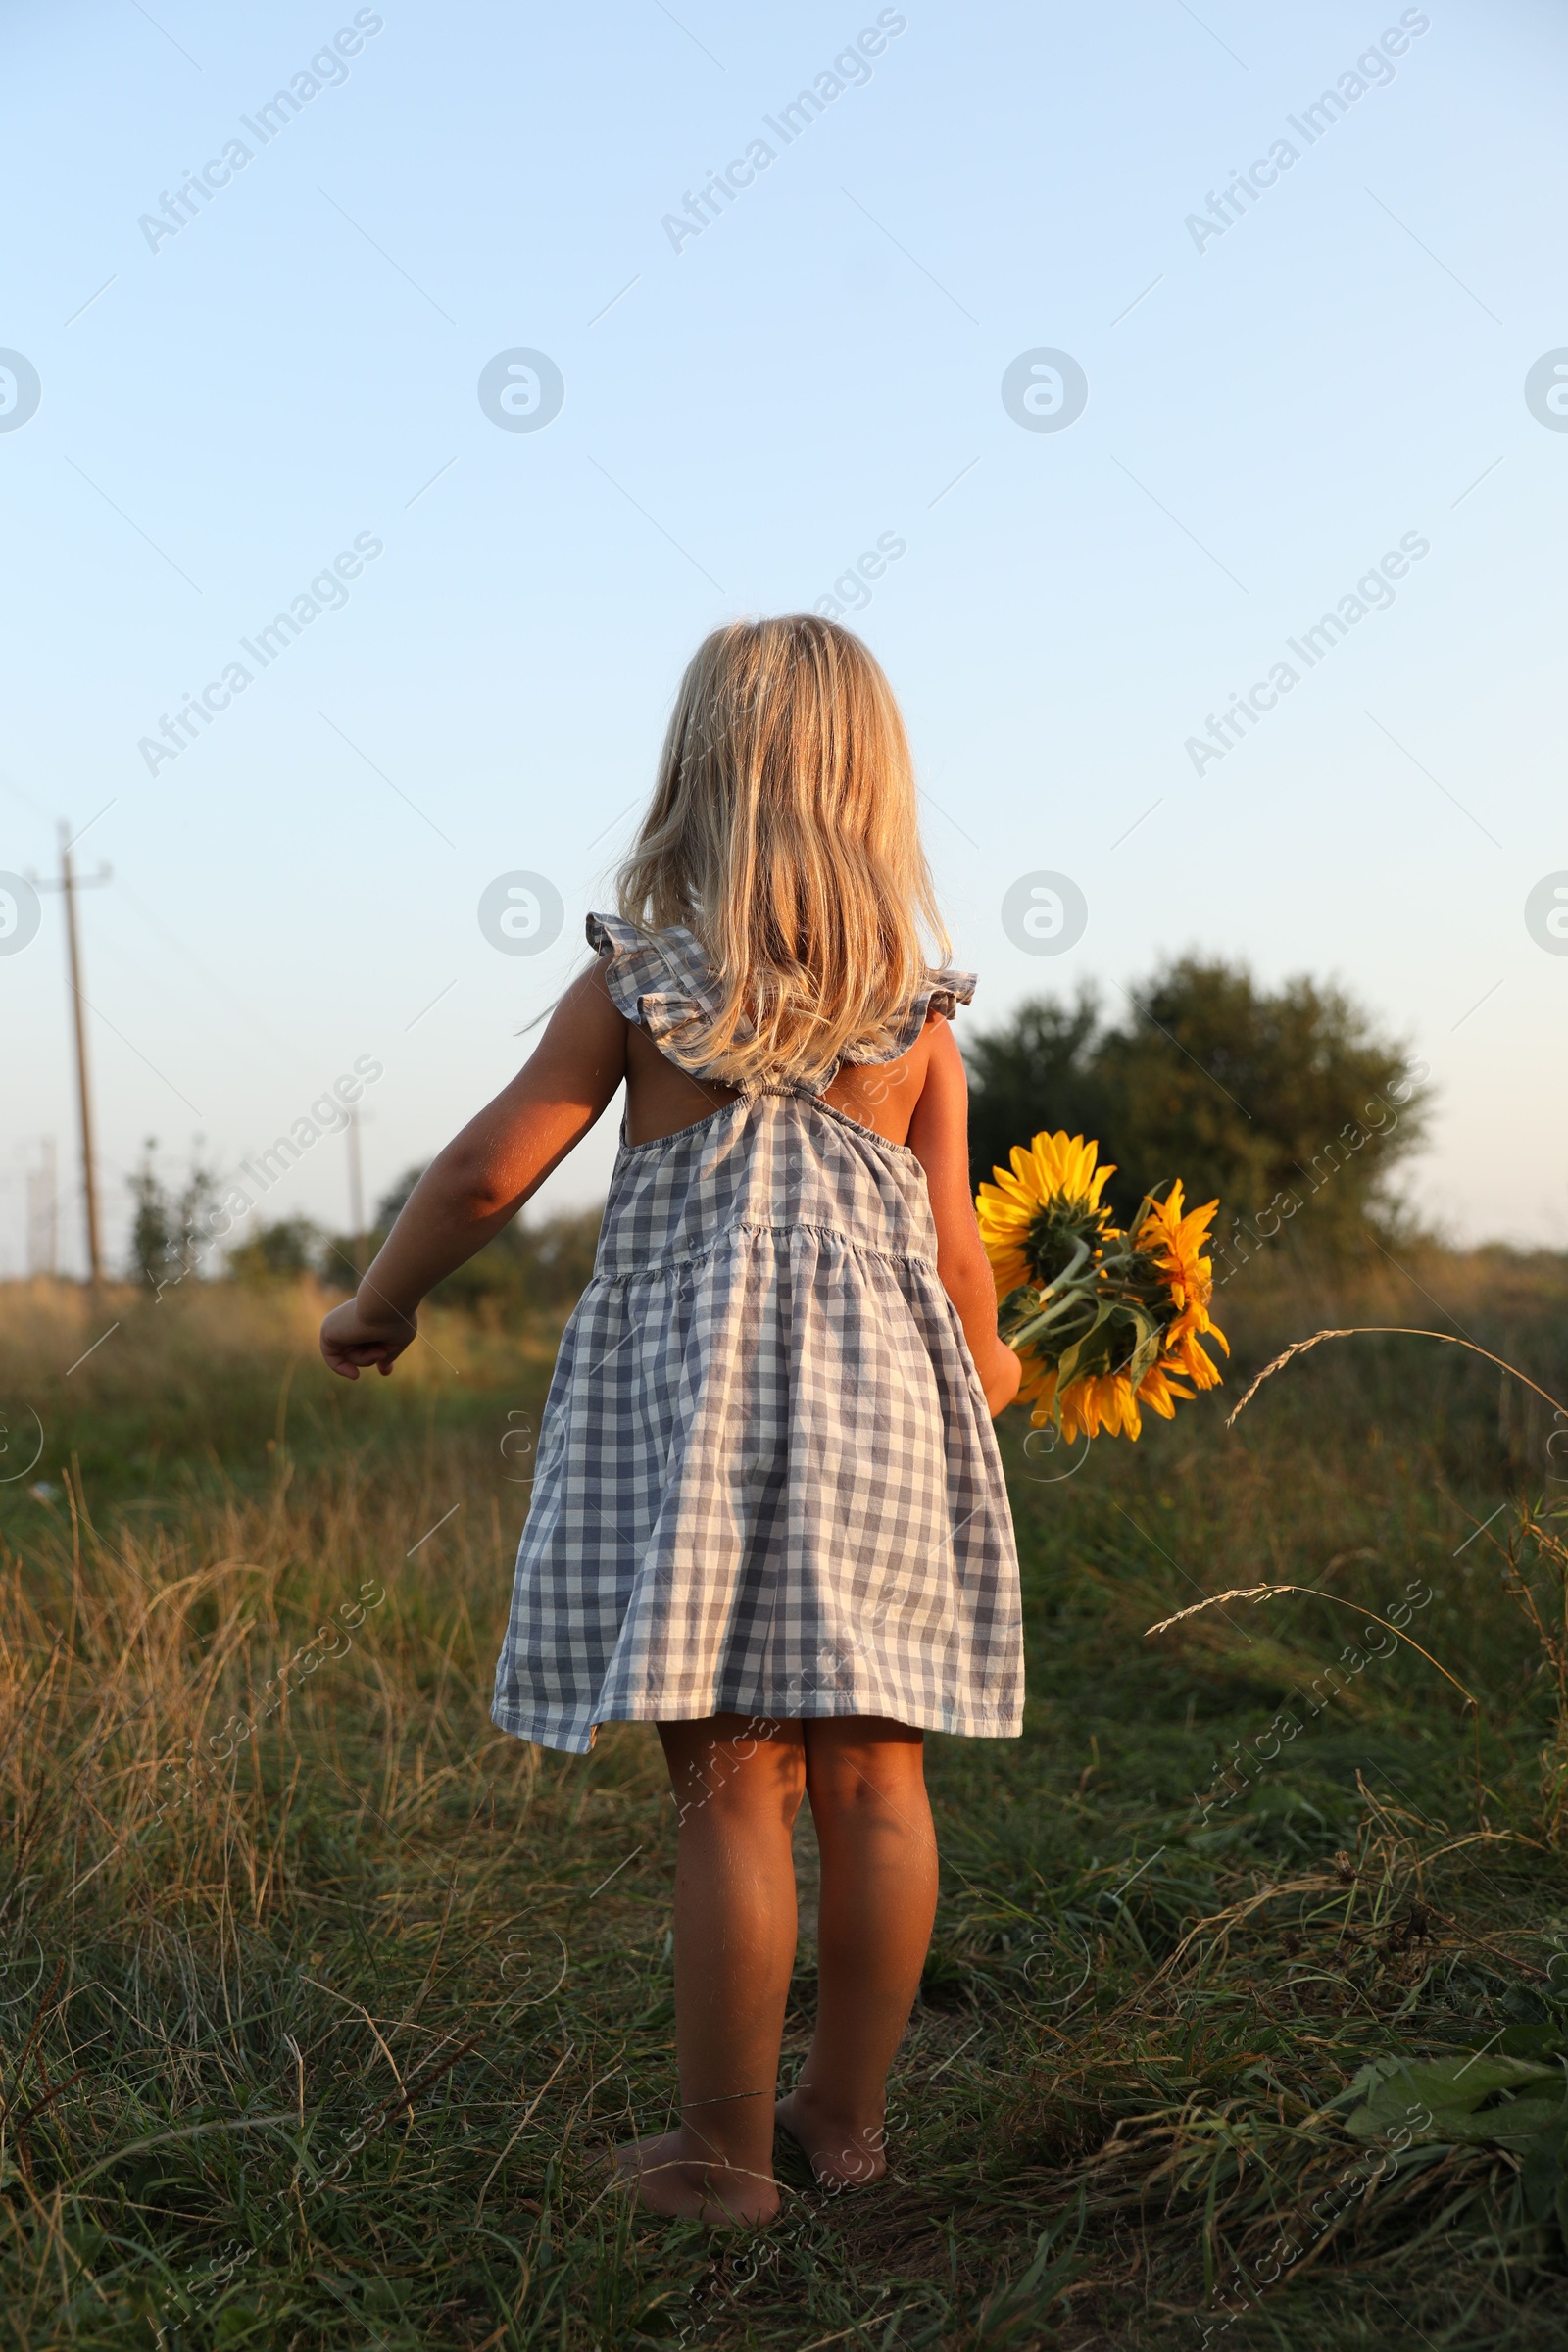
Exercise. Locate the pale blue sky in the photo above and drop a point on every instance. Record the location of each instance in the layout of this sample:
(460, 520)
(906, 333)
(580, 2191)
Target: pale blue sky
(820, 368)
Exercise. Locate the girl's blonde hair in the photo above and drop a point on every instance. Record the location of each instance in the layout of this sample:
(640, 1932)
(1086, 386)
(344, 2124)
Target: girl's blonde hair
(783, 832)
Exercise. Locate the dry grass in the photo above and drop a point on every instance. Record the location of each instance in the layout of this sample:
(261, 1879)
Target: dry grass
(319, 2000)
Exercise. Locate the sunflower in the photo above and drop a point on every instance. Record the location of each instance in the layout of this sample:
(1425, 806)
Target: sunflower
(1098, 1402)
(1175, 1244)
(1046, 1230)
(1104, 1320)
(1031, 1220)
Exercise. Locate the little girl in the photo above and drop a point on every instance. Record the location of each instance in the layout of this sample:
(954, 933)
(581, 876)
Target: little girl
(768, 1514)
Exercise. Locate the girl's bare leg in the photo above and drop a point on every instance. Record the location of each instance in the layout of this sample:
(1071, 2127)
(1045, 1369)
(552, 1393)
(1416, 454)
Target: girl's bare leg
(738, 1785)
(867, 1780)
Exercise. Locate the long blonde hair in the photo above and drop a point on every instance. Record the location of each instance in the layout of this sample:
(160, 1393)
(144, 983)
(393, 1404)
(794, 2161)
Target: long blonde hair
(783, 832)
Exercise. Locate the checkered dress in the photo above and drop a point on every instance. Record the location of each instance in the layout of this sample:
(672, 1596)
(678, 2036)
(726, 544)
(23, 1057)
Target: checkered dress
(766, 1479)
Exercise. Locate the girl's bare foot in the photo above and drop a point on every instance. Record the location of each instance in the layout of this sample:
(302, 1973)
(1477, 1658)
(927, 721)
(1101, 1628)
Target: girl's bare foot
(678, 2178)
(842, 2154)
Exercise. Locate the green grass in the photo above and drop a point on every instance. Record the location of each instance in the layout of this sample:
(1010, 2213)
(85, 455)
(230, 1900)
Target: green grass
(320, 2042)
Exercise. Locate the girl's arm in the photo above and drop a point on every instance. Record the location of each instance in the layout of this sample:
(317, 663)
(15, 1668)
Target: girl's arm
(484, 1176)
(939, 1138)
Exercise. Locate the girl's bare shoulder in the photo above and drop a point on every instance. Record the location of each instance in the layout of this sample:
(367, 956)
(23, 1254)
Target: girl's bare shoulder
(885, 1095)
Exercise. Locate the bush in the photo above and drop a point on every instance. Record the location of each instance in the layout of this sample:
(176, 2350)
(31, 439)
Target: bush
(544, 1265)
(1262, 1098)
(279, 1252)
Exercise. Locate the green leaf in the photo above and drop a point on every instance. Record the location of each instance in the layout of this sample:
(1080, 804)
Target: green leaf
(1491, 2100)
(1540, 2042)
(1544, 2179)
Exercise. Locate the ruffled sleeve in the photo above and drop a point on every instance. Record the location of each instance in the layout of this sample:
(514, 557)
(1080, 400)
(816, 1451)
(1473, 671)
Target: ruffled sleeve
(660, 980)
(947, 991)
(664, 981)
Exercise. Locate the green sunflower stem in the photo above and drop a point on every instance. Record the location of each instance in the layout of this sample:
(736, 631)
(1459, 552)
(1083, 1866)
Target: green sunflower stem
(1106, 1312)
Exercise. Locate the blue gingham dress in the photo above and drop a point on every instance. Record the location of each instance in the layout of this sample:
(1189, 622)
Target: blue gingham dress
(767, 1484)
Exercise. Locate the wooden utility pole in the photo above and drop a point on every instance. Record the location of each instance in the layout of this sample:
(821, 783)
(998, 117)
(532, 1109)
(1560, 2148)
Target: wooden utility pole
(67, 885)
(90, 1179)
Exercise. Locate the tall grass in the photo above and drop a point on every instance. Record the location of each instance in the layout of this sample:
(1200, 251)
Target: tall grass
(320, 2001)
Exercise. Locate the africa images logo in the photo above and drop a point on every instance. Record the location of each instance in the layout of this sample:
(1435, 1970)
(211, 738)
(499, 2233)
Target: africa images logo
(1546, 390)
(1045, 390)
(850, 70)
(326, 593)
(521, 390)
(328, 69)
(1372, 593)
(20, 391)
(1373, 70)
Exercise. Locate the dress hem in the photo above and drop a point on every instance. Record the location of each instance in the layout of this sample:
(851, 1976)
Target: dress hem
(574, 1735)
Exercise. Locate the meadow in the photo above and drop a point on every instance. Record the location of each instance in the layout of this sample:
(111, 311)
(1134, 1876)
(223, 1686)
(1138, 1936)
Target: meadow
(321, 2001)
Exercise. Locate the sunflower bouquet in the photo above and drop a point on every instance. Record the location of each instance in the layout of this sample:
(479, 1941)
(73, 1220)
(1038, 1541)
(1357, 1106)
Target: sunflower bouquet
(1105, 1320)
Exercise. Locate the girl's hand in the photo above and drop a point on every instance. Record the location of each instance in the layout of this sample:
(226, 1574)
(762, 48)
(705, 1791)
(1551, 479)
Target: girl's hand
(481, 1181)
(360, 1332)
(1002, 1379)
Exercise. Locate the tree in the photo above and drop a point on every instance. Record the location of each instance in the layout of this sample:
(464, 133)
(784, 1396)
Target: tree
(1039, 1071)
(198, 1209)
(392, 1204)
(152, 1225)
(543, 1265)
(282, 1251)
(165, 1230)
(1287, 1106)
